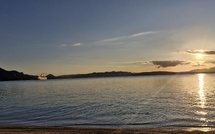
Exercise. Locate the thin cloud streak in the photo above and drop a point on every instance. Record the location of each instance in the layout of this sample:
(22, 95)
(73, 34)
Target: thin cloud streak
(134, 63)
(128, 36)
(111, 41)
(143, 33)
(71, 45)
(206, 52)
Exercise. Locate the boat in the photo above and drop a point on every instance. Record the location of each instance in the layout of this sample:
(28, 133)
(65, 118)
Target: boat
(42, 77)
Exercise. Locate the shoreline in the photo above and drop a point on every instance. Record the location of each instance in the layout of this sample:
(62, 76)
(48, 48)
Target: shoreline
(79, 130)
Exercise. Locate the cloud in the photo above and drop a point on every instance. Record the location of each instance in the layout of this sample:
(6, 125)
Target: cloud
(134, 63)
(127, 36)
(70, 45)
(202, 63)
(210, 61)
(159, 64)
(113, 39)
(198, 63)
(206, 52)
(143, 33)
(77, 44)
(165, 64)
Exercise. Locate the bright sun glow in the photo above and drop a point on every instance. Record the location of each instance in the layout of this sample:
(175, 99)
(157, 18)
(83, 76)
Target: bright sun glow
(199, 56)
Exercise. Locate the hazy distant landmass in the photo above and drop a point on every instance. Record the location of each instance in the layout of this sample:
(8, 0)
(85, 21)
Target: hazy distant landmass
(15, 75)
(123, 74)
(209, 70)
(112, 74)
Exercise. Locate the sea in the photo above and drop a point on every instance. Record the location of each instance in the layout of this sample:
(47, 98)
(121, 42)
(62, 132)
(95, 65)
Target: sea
(170, 101)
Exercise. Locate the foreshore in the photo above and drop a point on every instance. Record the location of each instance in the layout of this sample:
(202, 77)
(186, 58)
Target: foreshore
(68, 130)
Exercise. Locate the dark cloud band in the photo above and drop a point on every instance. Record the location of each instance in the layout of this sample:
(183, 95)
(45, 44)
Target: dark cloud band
(169, 63)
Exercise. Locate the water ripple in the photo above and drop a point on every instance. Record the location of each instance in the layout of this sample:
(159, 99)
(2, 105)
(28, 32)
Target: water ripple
(146, 102)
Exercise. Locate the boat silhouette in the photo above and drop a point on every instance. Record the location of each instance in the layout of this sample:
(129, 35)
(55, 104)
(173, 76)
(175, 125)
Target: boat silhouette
(42, 77)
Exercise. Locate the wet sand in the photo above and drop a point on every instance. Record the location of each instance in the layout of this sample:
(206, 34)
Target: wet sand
(63, 130)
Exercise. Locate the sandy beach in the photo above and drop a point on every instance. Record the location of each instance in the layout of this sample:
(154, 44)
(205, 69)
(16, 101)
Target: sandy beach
(64, 130)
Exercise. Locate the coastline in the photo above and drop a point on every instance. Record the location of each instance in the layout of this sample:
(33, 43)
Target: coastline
(73, 130)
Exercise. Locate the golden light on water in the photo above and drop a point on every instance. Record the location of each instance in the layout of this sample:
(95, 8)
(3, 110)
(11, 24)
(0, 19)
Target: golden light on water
(201, 90)
(202, 102)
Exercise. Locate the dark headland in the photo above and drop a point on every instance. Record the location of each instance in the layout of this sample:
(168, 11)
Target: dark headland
(15, 75)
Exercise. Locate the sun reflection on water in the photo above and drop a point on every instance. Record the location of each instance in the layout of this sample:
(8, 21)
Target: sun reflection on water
(201, 90)
(202, 102)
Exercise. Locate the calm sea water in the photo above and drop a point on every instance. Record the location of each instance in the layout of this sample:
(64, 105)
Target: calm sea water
(147, 102)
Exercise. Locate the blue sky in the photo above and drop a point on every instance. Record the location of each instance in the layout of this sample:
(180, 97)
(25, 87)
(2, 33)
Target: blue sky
(80, 36)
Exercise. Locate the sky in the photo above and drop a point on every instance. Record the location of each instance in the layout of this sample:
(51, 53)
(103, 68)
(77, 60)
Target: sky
(84, 36)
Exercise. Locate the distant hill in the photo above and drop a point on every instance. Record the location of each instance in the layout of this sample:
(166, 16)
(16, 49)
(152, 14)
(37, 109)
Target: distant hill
(50, 76)
(96, 74)
(205, 70)
(14, 75)
(123, 74)
(113, 74)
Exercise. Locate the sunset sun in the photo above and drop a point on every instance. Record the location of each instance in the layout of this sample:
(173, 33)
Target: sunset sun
(199, 56)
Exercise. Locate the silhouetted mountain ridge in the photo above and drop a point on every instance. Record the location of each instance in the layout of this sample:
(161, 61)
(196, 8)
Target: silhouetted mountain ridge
(113, 74)
(122, 74)
(14, 75)
(50, 76)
